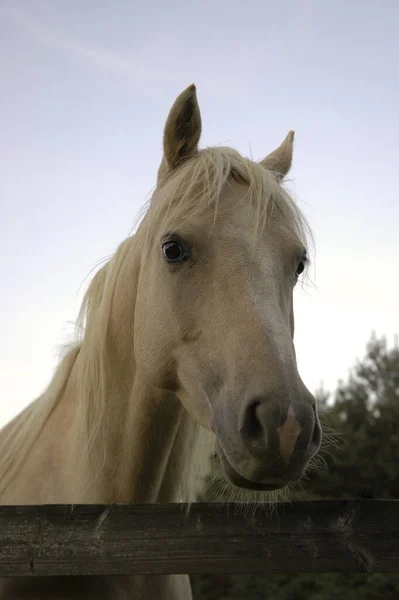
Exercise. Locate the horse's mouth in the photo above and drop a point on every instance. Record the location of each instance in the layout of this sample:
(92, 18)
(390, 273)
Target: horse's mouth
(240, 481)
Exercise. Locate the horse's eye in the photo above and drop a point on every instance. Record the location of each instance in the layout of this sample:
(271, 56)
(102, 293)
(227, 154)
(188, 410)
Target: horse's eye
(174, 252)
(302, 264)
(301, 267)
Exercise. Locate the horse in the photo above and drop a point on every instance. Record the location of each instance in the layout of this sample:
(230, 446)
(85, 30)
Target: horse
(186, 341)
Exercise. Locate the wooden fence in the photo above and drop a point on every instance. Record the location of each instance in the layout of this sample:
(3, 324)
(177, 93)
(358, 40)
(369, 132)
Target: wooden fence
(318, 536)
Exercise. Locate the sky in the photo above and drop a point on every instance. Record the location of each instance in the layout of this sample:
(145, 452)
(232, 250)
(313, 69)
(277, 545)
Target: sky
(86, 87)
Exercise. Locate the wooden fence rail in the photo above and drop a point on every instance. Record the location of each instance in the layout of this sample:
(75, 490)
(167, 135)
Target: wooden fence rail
(318, 536)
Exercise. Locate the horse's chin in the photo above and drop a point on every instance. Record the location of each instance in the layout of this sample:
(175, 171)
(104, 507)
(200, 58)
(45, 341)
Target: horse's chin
(241, 482)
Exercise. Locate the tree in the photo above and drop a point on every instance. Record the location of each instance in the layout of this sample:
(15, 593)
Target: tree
(365, 419)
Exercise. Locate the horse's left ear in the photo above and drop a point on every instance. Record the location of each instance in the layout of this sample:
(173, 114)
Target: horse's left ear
(182, 131)
(280, 160)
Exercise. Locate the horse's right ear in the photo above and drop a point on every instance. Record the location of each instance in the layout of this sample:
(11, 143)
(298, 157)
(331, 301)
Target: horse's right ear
(280, 160)
(182, 131)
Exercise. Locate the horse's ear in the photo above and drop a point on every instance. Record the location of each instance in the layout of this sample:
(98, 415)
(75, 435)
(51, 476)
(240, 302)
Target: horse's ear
(280, 160)
(182, 131)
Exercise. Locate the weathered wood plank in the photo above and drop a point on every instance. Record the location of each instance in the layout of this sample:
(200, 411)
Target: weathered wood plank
(320, 536)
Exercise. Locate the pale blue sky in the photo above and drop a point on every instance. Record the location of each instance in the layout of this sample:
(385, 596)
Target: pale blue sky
(86, 86)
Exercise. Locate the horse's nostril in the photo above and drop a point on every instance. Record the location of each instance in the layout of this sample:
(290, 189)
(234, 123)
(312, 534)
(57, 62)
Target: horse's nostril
(255, 420)
(252, 430)
(316, 435)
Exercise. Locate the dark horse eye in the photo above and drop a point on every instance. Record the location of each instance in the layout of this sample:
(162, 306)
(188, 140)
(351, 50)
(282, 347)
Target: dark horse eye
(302, 263)
(300, 268)
(174, 252)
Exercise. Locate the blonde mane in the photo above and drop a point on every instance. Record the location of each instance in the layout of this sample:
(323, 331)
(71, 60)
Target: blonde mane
(19, 435)
(195, 187)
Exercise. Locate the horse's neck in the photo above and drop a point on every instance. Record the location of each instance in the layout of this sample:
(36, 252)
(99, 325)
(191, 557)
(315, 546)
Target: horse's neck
(145, 459)
(154, 442)
(151, 450)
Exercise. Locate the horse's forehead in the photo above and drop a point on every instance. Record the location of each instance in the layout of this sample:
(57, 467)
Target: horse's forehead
(231, 210)
(235, 213)
(222, 226)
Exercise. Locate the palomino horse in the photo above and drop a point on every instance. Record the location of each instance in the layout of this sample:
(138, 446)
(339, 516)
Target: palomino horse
(187, 329)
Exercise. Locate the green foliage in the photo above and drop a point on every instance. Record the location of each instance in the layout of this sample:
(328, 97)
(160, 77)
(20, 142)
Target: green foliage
(365, 419)
(360, 459)
(324, 586)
